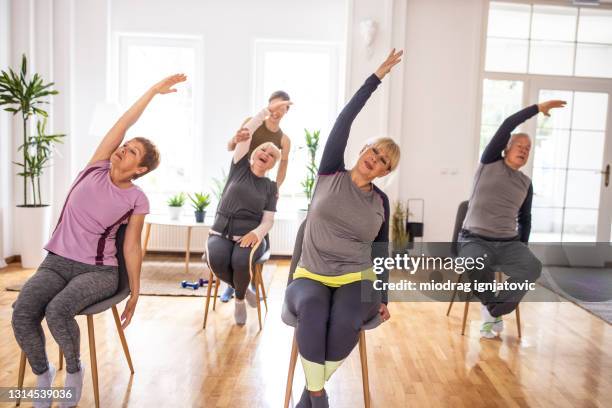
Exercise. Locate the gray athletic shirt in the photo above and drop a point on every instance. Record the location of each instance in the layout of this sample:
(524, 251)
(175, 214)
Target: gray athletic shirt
(343, 221)
(245, 198)
(500, 203)
(497, 194)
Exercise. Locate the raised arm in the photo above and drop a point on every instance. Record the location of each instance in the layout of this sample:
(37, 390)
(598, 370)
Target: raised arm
(493, 151)
(332, 159)
(115, 135)
(240, 135)
(251, 126)
(284, 161)
(524, 217)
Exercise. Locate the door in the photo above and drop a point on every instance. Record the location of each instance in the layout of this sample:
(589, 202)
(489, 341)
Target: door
(570, 162)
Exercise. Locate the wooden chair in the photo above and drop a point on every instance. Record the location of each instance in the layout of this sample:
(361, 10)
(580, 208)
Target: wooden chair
(256, 272)
(460, 217)
(123, 291)
(291, 320)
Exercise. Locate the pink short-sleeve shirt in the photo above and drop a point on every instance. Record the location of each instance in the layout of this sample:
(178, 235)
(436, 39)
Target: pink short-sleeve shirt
(93, 211)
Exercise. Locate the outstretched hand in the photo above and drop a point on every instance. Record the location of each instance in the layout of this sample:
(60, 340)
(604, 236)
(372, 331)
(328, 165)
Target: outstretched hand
(165, 85)
(128, 312)
(384, 312)
(276, 107)
(546, 106)
(393, 59)
(241, 135)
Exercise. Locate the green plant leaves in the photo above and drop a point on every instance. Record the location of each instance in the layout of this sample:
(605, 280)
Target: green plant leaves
(200, 202)
(20, 94)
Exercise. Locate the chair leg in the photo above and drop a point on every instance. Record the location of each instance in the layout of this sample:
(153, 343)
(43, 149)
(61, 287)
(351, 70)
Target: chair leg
(292, 362)
(94, 361)
(61, 359)
(126, 350)
(258, 304)
(518, 320)
(22, 364)
(261, 283)
(364, 368)
(465, 314)
(454, 295)
(217, 284)
(208, 290)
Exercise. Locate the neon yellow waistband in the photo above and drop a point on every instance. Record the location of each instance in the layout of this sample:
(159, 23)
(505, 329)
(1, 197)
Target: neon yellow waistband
(335, 281)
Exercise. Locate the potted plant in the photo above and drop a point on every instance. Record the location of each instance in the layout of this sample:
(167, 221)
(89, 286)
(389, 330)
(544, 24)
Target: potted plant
(24, 95)
(175, 206)
(199, 203)
(312, 145)
(399, 233)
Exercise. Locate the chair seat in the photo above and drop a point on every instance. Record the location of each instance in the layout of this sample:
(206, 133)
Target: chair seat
(265, 257)
(106, 303)
(291, 320)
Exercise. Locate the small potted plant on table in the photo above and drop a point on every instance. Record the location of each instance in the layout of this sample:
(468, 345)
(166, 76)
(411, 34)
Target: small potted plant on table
(199, 204)
(175, 206)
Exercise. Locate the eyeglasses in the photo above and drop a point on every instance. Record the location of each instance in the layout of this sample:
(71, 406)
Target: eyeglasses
(380, 157)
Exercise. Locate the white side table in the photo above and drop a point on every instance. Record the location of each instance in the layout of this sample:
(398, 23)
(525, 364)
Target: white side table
(186, 222)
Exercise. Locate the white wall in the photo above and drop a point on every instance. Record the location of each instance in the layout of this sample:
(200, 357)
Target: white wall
(441, 83)
(428, 104)
(228, 29)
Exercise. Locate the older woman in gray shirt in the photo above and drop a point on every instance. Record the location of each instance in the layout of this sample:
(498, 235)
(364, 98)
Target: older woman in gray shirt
(332, 290)
(245, 213)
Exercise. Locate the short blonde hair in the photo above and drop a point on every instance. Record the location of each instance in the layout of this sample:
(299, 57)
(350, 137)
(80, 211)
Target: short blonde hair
(275, 151)
(390, 148)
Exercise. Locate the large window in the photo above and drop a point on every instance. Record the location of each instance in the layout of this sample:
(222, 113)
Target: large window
(309, 73)
(500, 99)
(536, 52)
(169, 121)
(549, 40)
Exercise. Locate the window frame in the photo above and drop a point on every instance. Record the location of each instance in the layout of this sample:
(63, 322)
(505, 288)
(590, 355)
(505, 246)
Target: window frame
(118, 68)
(336, 72)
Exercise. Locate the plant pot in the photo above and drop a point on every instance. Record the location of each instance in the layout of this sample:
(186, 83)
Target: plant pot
(34, 225)
(175, 212)
(199, 215)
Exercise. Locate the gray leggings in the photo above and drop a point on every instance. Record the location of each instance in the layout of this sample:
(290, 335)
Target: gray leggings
(230, 262)
(330, 319)
(59, 290)
(513, 258)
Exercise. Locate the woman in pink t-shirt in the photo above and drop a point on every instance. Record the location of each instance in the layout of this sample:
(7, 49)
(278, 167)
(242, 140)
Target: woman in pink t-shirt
(81, 267)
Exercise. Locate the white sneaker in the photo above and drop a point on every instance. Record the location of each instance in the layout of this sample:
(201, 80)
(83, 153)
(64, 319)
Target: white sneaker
(45, 380)
(75, 382)
(498, 325)
(240, 314)
(488, 321)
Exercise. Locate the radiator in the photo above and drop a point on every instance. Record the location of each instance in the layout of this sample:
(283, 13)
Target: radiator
(173, 239)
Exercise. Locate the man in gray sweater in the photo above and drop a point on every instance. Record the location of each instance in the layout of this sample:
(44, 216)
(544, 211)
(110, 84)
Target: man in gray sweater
(498, 220)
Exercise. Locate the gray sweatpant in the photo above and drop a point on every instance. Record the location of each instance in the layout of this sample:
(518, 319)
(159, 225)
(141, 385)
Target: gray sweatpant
(59, 290)
(513, 258)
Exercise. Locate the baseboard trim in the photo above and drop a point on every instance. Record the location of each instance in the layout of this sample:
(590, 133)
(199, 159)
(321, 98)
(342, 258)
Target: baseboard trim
(13, 258)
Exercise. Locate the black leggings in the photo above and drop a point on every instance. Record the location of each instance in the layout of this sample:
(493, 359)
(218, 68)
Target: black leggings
(230, 262)
(330, 319)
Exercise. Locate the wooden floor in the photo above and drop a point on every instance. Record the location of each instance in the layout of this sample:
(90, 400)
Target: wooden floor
(417, 359)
